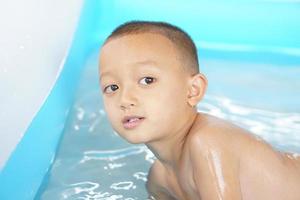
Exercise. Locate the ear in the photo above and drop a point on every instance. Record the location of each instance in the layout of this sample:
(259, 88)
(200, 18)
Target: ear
(197, 87)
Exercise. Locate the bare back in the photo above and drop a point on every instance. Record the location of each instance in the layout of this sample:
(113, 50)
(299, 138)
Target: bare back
(245, 167)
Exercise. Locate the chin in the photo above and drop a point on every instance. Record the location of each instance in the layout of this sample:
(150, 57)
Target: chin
(134, 139)
(135, 142)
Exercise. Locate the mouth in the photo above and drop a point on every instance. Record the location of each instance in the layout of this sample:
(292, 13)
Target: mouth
(130, 122)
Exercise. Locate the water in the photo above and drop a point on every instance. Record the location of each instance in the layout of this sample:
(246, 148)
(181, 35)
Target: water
(94, 163)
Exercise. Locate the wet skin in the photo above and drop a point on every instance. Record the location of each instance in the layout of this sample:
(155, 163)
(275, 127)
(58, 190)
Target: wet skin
(198, 156)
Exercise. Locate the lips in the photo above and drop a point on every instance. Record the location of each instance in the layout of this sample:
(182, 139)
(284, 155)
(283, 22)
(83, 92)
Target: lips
(130, 122)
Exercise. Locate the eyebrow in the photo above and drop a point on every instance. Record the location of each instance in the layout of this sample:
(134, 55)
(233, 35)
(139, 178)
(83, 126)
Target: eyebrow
(143, 63)
(146, 62)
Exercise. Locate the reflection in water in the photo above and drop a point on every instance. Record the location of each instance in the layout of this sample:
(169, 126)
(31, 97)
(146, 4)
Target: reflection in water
(140, 176)
(112, 155)
(123, 186)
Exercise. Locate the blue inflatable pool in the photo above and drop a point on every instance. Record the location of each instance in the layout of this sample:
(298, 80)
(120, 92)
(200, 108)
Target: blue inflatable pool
(256, 31)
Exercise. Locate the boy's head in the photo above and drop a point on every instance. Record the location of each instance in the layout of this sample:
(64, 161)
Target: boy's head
(149, 70)
(187, 52)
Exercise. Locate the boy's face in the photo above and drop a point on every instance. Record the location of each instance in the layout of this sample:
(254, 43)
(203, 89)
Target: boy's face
(141, 75)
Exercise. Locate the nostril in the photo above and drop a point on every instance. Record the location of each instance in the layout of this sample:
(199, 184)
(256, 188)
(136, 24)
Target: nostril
(124, 106)
(129, 104)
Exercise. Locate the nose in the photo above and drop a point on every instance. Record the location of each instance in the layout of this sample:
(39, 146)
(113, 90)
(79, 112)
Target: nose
(127, 99)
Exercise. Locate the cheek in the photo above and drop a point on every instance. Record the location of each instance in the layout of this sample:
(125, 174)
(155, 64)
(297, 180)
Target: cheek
(110, 110)
(170, 101)
(174, 92)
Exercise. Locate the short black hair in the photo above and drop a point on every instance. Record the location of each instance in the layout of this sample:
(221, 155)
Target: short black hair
(183, 42)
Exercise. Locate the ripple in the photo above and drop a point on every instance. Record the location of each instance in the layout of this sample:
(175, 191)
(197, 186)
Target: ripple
(126, 185)
(149, 156)
(114, 165)
(140, 176)
(76, 189)
(88, 191)
(80, 113)
(112, 155)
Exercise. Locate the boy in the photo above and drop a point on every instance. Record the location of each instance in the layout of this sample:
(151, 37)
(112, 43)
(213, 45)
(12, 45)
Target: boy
(151, 85)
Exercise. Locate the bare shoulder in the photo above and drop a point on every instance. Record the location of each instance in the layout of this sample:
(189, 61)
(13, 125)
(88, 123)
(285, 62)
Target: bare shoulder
(156, 173)
(156, 184)
(214, 159)
(212, 140)
(212, 132)
(233, 142)
(210, 136)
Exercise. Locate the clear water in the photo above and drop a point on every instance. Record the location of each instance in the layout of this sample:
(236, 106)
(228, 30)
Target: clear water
(94, 163)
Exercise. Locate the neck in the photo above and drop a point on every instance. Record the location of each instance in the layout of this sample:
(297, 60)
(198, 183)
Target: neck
(174, 142)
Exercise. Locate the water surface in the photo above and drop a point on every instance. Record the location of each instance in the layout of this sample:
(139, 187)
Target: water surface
(94, 163)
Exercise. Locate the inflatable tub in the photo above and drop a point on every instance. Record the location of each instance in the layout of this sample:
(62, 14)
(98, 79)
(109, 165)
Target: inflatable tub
(55, 141)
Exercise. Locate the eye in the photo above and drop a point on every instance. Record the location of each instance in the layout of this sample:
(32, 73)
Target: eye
(111, 88)
(147, 80)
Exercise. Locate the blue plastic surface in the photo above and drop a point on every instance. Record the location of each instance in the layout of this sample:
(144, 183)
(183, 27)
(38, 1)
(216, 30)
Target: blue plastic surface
(25, 170)
(257, 27)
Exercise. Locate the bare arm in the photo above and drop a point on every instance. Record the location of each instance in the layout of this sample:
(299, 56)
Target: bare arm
(216, 170)
(155, 184)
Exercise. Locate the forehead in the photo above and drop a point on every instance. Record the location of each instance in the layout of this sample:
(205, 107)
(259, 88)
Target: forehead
(144, 48)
